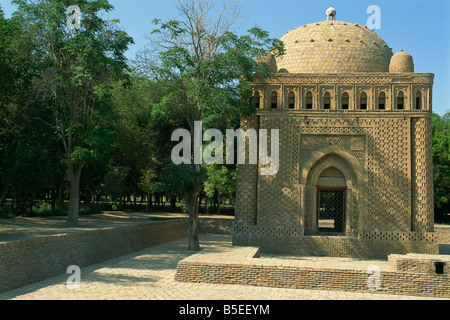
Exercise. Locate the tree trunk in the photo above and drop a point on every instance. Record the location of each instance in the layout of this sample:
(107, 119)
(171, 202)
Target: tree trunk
(3, 198)
(149, 203)
(173, 203)
(194, 243)
(13, 205)
(87, 199)
(53, 198)
(200, 199)
(206, 205)
(121, 200)
(60, 197)
(219, 202)
(18, 206)
(74, 202)
(30, 208)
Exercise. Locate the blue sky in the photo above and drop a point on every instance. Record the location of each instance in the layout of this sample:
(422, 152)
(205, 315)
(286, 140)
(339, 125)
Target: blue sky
(419, 27)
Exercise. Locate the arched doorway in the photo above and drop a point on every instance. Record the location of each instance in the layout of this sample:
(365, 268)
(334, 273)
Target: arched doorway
(331, 198)
(331, 180)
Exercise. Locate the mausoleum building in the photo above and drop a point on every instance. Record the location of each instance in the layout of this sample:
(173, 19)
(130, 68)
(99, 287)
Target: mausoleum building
(355, 172)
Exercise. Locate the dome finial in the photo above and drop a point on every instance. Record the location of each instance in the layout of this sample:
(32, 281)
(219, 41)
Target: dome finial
(331, 12)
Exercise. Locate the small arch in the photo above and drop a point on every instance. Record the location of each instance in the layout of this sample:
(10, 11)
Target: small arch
(291, 100)
(332, 177)
(309, 100)
(327, 101)
(401, 101)
(345, 101)
(363, 101)
(352, 161)
(419, 100)
(382, 101)
(257, 99)
(274, 100)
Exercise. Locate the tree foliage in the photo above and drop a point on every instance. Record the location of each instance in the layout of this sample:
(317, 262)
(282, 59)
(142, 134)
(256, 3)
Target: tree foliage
(206, 70)
(74, 74)
(441, 160)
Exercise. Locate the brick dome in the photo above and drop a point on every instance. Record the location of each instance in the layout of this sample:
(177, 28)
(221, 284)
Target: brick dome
(334, 47)
(270, 61)
(401, 62)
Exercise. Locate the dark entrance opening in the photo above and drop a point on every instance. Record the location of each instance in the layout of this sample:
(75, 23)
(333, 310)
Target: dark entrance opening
(331, 211)
(439, 267)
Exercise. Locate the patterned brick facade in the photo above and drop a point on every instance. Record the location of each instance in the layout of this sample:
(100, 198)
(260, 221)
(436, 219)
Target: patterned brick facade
(366, 132)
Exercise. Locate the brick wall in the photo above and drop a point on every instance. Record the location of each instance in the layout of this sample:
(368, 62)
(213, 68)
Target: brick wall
(318, 246)
(414, 263)
(28, 261)
(385, 162)
(315, 279)
(216, 225)
(238, 269)
(443, 233)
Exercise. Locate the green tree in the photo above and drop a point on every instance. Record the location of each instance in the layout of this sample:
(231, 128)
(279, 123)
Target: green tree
(7, 76)
(176, 180)
(206, 70)
(134, 145)
(441, 159)
(28, 165)
(143, 134)
(6, 71)
(76, 68)
(220, 182)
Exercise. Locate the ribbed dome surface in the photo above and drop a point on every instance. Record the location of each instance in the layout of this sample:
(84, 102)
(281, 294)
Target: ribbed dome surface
(334, 47)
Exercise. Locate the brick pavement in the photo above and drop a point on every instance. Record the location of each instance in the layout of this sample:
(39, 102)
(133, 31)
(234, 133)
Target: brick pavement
(149, 275)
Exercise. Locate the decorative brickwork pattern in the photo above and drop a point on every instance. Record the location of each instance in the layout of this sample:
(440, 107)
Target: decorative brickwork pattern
(362, 247)
(350, 79)
(339, 110)
(401, 236)
(380, 209)
(372, 84)
(422, 170)
(246, 203)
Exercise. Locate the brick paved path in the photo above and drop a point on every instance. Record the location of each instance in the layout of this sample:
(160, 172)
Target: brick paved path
(149, 275)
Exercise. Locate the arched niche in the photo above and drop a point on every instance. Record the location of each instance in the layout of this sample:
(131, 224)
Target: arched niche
(332, 169)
